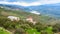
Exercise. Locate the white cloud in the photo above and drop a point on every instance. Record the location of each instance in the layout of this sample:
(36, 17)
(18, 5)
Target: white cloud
(39, 2)
(35, 12)
(21, 3)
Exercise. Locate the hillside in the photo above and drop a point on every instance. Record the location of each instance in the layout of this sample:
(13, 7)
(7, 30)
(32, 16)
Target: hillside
(47, 24)
(23, 15)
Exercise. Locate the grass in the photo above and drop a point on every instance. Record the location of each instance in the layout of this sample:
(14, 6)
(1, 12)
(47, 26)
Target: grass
(32, 31)
(3, 31)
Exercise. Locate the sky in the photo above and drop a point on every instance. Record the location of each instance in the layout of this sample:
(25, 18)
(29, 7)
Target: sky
(29, 2)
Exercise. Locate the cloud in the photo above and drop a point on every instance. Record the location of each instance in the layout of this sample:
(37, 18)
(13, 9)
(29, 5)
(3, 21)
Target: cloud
(27, 3)
(50, 1)
(35, 12)
(21, 3)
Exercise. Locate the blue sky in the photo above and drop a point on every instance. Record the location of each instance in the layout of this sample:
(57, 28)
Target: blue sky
(20, 0)
(29, 2)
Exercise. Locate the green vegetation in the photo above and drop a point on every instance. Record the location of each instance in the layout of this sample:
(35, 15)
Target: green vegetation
(25, 26)
(44, 25)
(3, 31)
(32, 31)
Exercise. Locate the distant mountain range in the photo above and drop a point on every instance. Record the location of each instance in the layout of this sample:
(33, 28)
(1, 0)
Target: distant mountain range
(48, 9)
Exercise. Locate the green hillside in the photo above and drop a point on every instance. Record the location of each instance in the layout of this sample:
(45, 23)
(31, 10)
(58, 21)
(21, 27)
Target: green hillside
(44, 25)
(23, 15)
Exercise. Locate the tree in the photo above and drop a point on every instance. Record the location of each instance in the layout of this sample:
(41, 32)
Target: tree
(56, 27)
(19, 31)
(39, 26)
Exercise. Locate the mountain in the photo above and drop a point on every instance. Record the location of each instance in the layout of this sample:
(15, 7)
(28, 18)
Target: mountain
(48, 9)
